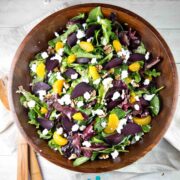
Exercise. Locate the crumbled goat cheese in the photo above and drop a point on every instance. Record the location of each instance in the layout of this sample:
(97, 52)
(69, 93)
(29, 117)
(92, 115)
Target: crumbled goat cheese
(45, 132)
(123, 94)
(80, 34)
(125, 54)
(103, 124)
(99, 112)
(56, 57)
(41, 93)
(58, 76)
(147, 55)
(124, 74)
(31, 104)
(90, 39)
(134, 84)
(93, 61)
(74, 76)
(49, 74)
(146, 82)
(116, 95)
(148, 97)
(60, 51)
(115, 154)
(86, 144)
(103, 41)
(97, 81)
(136, 107)
(137, 98)
(86, 80)
(84, 25)
(82, 128)
(80, 104)
(122, 122)
(130, 117)
(87, 95)
(59, 130)
(64, 90)
(44, 55)
(137, 137)
(65, 100)
(56, 34)
(65, 135)
(33, 67)
(107, 83)
(75, 127)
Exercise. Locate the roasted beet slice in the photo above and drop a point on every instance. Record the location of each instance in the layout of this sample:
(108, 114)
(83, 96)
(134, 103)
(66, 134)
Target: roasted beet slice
(72, 39)
(124, 39)
(119, 84)
(40, 86)
(82, 60)
(113, 63)
(113, 104)
(114, 138)
(91, 30)
(136, 57)
(45, 123)
(69, 72)
(131, 129)
(66, 123)
(80, 89)
(51, 64)
(88, 132)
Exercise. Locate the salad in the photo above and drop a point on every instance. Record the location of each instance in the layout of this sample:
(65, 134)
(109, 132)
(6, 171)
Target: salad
(93, 91)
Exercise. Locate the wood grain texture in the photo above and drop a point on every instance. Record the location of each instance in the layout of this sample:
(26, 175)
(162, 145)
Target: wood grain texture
(42, 33)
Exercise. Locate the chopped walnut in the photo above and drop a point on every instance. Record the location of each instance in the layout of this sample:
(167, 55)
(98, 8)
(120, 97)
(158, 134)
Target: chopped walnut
(108, 49)
(117, 77)
(93, 93)
(103, 156)
(56, 69)
(72, 104)
(99, 67)
(50, 50)
(73, 156)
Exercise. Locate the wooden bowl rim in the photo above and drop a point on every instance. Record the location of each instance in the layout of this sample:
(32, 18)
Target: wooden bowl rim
(159, 37)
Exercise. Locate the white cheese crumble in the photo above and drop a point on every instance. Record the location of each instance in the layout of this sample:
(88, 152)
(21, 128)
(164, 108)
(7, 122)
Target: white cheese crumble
(65, 135)
(78, 41)
(82, 128)
(148, 97)
(56, 57)
(115, 154)
(59, 130)
(134, 84)
(75, 127)
(130, 117)
(80, 34)
(60, 51)
(97, 81)
(123, 94)
(90, 39)
(122, 122)
(65, 100)
(80, 104)
(116, 95)
(41, 93)
(74, 76)
(31, 104)
(56, 34)
(137, 98)
(103, 124)
(84, 25)
(87, 96)
(146, 82)
(64, 41)
(124, 53)
(124, 74)
(147, 55)
(58, 76)
(33, 67)
(107, 83)
(137, 137)
(99, 112)
(103, 41)
(93, 61)
(86, 80)
(49, 74)
(136, 107)
(44, 55)
(86, 144)
(45, 132)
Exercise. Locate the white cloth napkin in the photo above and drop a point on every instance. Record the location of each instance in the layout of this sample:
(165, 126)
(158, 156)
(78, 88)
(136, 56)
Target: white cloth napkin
(161, 159)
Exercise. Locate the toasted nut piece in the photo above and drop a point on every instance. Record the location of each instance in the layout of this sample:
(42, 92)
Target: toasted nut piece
(73, 156)
(103, 156)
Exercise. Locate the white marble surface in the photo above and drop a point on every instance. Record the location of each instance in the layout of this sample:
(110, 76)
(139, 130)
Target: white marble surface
(15, 19)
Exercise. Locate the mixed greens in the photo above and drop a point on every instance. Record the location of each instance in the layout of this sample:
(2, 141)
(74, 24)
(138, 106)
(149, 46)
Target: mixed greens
(93, 91)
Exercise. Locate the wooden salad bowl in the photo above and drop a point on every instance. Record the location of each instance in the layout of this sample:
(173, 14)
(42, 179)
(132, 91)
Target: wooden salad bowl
(37, 40)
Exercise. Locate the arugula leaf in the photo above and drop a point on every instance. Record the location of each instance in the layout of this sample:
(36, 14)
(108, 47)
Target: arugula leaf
(141, 49)
(67, 50)
(154, 90)
(119, 112)
(136, 76)
(32, 118)
(146, 128)
(152, 73)
(107, 58)
(47, 136)
(71, 29)
(80, 16)
(81, 53)
(94, 155)
(96, 139)
(94, 14)
(80, 161)
(97, 126)
(155, 105)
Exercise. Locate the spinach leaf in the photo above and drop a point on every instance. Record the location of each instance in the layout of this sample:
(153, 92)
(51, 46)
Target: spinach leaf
(32, 118)
(81, 53)
(136, 76)
(155, 105)
(71, 29)
(146, 128)
(94, 14)
(47, 136)
(67, 50)
(141, 49)
(119, 112)
(152, 73)
(80, 161)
